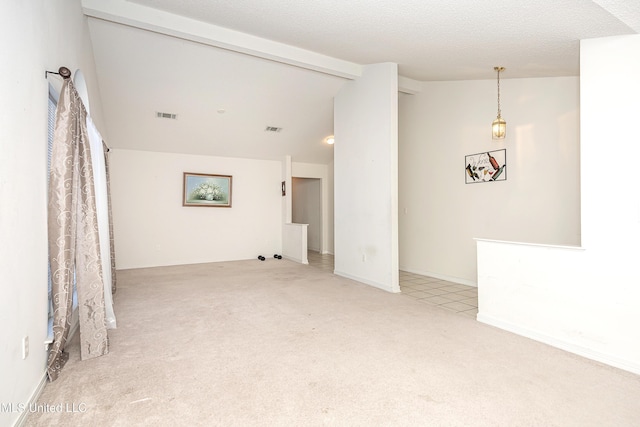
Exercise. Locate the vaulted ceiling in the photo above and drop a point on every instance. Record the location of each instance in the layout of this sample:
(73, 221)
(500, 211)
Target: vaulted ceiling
(231, 68)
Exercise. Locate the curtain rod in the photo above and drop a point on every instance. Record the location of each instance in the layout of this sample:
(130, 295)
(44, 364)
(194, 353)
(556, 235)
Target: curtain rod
(63, 72)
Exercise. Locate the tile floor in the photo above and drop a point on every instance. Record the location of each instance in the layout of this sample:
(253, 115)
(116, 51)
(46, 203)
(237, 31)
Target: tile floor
(461, 299)
(316, 259)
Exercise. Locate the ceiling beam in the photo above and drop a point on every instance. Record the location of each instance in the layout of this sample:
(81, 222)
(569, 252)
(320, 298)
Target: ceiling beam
(625, 11)
(158, 21)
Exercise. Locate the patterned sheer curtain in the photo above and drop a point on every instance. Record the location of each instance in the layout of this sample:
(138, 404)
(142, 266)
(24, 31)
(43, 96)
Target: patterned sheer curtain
(73, 235)
(96, 145)
(112, 247)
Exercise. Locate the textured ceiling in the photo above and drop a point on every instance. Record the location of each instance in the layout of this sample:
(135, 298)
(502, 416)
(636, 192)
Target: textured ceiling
(280, 63)
(429, 39)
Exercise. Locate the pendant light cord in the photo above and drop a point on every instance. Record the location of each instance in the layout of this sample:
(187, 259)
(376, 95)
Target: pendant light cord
(498, 69)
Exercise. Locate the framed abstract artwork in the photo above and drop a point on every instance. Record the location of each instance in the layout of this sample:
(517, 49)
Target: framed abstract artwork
(200, 189)
(486, 167)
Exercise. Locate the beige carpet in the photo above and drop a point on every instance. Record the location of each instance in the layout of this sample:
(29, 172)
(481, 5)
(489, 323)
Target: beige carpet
(275, 343)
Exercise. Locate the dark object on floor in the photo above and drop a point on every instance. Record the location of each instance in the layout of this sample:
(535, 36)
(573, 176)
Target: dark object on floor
(276, 256)
(261, 258)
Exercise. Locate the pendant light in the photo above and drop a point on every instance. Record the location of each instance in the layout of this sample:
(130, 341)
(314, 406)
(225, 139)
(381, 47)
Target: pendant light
(499, 126)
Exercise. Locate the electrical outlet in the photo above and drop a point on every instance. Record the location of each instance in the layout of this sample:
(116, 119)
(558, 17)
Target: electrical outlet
(25, 347)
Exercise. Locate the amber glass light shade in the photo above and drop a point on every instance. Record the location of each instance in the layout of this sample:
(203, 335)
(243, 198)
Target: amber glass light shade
(499, 128)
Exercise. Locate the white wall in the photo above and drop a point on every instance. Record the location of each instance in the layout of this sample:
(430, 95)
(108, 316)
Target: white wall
(152, 228)
(539, 202)
(330, 228)
(294, 242)
(35, 36)
(307, 209)
(610, 108)
(585, 301)
(366, 173)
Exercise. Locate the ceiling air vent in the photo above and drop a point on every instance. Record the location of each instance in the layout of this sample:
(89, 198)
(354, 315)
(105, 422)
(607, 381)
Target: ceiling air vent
(166, 115)
(272, 129)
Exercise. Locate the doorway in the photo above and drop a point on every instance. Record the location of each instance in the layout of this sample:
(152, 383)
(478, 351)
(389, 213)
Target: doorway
(306, 201)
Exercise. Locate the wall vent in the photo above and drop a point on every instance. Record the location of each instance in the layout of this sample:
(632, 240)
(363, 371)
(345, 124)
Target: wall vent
(272, 129)
(166, 115)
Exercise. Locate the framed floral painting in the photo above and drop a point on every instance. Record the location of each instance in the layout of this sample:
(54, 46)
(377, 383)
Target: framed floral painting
(201, 189)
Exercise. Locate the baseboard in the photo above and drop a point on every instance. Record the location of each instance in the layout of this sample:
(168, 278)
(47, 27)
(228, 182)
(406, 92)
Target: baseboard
(366, 281)
(299, 261)
(607, 359)
(442, 277)
(33, 400)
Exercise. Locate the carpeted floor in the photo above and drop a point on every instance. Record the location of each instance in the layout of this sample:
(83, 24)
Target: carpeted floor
(276, 343)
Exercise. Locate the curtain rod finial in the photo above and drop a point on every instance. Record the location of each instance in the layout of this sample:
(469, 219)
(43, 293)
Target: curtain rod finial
(64, 72)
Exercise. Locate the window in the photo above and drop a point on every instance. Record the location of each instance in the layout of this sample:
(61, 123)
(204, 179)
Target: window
(53, 104)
